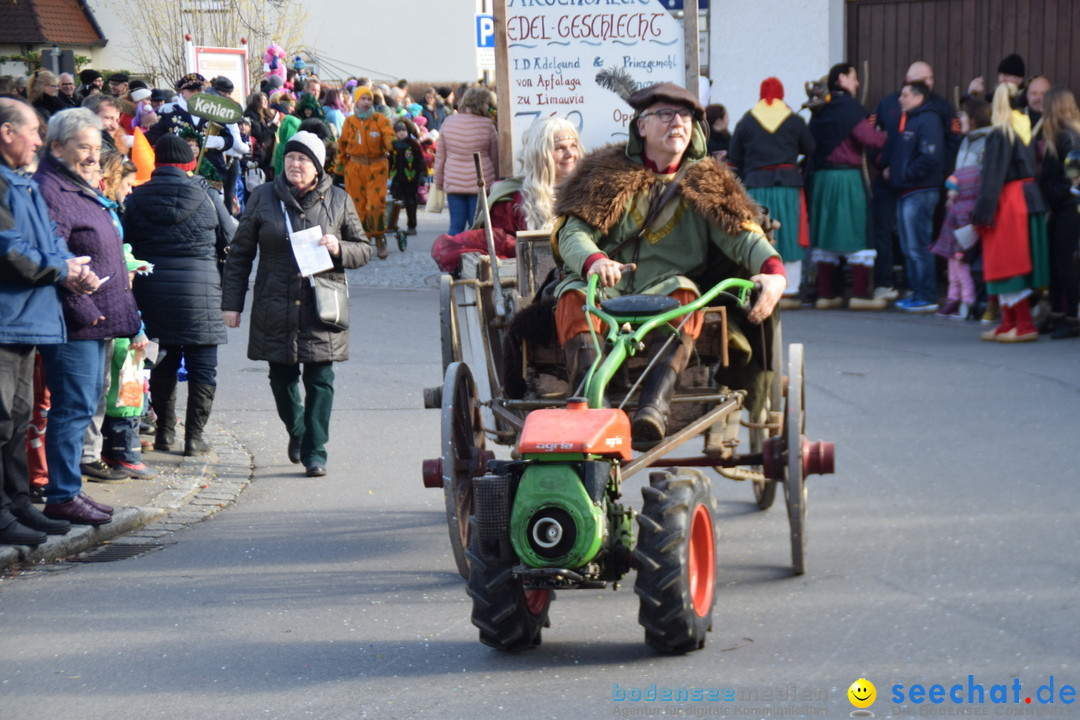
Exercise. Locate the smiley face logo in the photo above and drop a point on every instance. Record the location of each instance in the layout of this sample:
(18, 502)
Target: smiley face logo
(862, 693)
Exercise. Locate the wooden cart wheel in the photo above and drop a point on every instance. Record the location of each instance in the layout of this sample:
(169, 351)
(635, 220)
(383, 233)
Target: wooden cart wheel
(795, 480)
(764, 490)
(448, 330)
(463, 456)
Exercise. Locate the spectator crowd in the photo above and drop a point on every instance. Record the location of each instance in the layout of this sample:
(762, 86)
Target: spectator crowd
(130, 225)
(119, 206)
(868, 202)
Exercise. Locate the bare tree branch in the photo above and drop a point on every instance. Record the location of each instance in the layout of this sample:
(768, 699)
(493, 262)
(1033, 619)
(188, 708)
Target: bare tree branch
(157, 30)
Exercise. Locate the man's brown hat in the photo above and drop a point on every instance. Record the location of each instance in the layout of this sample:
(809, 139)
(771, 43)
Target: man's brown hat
(666, 92)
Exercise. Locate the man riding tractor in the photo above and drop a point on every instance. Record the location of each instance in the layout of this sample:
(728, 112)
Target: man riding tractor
(657, 216)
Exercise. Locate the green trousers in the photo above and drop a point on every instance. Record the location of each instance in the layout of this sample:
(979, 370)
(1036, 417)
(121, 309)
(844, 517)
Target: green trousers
(308, 420)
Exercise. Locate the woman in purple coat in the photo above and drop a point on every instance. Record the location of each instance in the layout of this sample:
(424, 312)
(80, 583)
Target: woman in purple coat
(68, 176)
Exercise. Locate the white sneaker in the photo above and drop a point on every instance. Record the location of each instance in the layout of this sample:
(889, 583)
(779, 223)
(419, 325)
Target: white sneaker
(886, 293)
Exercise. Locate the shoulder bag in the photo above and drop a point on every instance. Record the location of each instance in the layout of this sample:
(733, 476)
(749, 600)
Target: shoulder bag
(331, 296)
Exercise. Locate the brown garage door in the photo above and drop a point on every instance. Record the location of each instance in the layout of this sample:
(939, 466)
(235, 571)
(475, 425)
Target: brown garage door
(962, 39)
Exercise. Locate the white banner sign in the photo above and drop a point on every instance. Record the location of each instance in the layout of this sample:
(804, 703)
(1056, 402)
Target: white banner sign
(564, 56)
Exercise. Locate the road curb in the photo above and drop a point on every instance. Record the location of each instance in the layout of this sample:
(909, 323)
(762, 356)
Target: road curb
(212, 482)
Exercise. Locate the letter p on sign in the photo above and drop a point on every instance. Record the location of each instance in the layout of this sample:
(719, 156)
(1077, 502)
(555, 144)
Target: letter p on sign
(485, 31)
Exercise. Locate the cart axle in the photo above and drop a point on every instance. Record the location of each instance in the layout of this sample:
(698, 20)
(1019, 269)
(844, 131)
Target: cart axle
(433, 468)
(818, 458)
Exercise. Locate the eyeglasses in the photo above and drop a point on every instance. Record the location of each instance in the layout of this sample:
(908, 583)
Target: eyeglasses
(666, 115)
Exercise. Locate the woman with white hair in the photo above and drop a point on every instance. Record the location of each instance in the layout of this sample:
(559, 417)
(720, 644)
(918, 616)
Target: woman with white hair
(550, 150)
(68, 176)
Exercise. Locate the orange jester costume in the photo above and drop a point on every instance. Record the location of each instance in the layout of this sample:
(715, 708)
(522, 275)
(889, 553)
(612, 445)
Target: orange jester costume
(366, 139)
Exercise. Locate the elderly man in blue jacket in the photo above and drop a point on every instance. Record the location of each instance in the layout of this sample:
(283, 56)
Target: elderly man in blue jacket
(917, 172)
(35, 267)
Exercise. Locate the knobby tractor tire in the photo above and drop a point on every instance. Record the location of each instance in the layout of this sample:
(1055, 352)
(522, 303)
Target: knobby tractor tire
(508, 616)
(676, 560)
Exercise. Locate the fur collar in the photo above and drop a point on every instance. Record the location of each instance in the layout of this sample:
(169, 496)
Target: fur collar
(607, 179)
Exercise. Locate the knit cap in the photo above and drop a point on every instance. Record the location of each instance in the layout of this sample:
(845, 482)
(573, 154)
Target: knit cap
(1013, 64)
(309, 144)
(173, 150)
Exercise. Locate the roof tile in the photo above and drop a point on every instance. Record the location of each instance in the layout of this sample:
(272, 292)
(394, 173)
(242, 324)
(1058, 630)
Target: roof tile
(64, 22)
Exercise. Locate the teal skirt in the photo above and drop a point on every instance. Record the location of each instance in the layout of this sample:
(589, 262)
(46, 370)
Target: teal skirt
(783, 204)
(838, 211)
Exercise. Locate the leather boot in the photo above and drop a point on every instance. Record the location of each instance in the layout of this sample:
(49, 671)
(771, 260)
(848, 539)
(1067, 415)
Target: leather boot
(1024, 330)
(580, 355)
(650, 421)
(394, 212)
(827, 299)
(200, 401)
(1008, 324)
(380, 246)
(163, 401)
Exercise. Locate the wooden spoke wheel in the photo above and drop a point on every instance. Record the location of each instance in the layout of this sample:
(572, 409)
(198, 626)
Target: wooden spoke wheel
(463, 455)
(795, 477)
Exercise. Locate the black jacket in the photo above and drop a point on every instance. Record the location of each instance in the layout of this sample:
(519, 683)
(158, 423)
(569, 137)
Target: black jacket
(172, 222)
(284, 327)
(765, 159)
(49, 105)
(1054, 184)
(1005, 160)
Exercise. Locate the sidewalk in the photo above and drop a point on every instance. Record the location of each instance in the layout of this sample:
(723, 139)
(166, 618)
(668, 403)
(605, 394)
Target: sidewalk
(187, 490)
(184, 491)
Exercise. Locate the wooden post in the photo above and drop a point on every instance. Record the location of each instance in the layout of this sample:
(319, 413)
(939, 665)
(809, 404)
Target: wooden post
(691, 48)
(502, 90)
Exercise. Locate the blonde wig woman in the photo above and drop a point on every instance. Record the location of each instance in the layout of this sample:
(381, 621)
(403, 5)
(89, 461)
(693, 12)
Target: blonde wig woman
(550, 150)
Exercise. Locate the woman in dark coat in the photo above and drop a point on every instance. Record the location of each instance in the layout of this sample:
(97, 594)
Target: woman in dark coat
(285, 327)
(1061, 130)
(172, 222)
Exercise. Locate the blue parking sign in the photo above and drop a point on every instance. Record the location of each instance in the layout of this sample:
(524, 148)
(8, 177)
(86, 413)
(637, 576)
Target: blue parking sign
(485, 31)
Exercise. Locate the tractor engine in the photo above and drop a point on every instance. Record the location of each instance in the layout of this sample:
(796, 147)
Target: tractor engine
(561, 519)
(564, 515)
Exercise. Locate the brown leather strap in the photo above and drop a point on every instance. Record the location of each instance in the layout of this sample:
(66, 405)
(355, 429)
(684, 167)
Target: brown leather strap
(655, 207)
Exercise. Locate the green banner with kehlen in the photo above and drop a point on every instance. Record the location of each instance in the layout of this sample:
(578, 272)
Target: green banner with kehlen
(214, 108)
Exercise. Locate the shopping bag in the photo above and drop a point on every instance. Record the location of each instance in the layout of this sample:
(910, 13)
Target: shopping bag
(436, 200)
(130, 393)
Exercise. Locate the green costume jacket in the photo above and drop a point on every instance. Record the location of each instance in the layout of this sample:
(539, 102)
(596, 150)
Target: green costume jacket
(705, 234)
